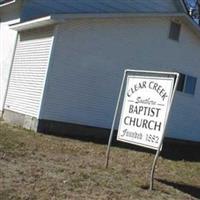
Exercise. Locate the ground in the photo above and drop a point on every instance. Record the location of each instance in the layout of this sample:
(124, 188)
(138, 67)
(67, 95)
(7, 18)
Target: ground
(38, 166)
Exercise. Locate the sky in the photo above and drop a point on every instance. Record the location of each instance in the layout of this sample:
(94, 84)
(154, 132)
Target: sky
(191, 2)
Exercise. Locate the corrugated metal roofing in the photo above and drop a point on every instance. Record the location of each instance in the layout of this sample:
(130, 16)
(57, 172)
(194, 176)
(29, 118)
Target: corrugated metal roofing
(38, 8)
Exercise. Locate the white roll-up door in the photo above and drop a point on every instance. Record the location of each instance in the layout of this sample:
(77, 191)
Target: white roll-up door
(29, 71)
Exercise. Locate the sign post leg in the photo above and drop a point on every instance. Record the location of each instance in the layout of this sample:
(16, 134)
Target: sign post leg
(160, 146)
(108, 148)
(113, 124)
(153, 169)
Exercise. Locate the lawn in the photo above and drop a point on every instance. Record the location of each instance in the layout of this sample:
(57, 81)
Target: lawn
(38, 166)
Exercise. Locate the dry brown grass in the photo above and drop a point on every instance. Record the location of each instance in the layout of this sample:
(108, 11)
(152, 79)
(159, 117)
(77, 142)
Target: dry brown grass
(37, 166)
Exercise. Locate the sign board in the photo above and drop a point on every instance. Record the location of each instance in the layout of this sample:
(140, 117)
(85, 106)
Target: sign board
(145, 108)
(148, 97)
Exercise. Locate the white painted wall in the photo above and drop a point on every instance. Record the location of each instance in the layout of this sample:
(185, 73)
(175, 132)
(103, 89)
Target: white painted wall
(89, 59)
(8, 15)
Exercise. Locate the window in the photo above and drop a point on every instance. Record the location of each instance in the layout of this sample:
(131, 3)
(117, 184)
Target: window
(187, 84)
(190, 85)
(175, 29)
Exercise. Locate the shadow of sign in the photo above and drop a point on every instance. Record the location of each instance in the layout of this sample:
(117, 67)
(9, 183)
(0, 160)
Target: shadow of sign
(191, 190)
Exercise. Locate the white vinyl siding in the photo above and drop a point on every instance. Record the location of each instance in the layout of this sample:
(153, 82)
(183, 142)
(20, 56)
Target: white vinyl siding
(8, 15)
(90, 57)
(29, 72)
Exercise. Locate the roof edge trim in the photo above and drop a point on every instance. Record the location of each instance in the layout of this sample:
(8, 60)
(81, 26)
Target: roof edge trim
(36, 23)
(183, 6)
(8, 3)
(61, 18)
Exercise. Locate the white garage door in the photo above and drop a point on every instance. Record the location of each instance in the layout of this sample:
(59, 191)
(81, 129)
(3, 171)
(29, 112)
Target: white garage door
(29, 71)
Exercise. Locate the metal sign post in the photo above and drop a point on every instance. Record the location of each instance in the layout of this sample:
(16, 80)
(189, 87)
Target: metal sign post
(114, 120)
(147, 100)
(160, 146)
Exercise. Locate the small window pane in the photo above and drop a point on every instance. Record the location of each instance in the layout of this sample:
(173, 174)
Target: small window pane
(190, 85)
(174, 32)
(181, 82)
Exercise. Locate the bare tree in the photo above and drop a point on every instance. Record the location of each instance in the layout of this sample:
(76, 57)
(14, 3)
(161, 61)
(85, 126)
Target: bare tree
(193, 7)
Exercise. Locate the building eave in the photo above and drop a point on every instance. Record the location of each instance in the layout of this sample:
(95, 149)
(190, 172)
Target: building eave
(186, 18)
(36, 23)
(61, 18)
(5, 4)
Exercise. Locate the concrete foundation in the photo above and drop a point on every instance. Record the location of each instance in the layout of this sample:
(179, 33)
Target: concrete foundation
(54, 127)
(19, 119)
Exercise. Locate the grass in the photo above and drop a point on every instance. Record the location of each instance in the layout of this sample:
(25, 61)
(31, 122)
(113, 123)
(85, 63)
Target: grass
(37, 166)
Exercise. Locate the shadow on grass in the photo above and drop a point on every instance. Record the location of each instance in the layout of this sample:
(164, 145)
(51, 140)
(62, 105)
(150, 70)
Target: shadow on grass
(181, 150)
(172, 149)
(191, 190)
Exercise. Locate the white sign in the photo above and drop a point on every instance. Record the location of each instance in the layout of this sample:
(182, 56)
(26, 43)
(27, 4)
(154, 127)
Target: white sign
(145, 109)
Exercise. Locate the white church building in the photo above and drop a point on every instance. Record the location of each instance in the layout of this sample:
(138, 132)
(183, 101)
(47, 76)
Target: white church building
(65, 60)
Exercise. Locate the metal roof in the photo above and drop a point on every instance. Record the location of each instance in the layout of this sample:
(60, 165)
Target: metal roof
(39, 8)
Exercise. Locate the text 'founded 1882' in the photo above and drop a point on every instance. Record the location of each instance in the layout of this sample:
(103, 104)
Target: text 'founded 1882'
(144, 110)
